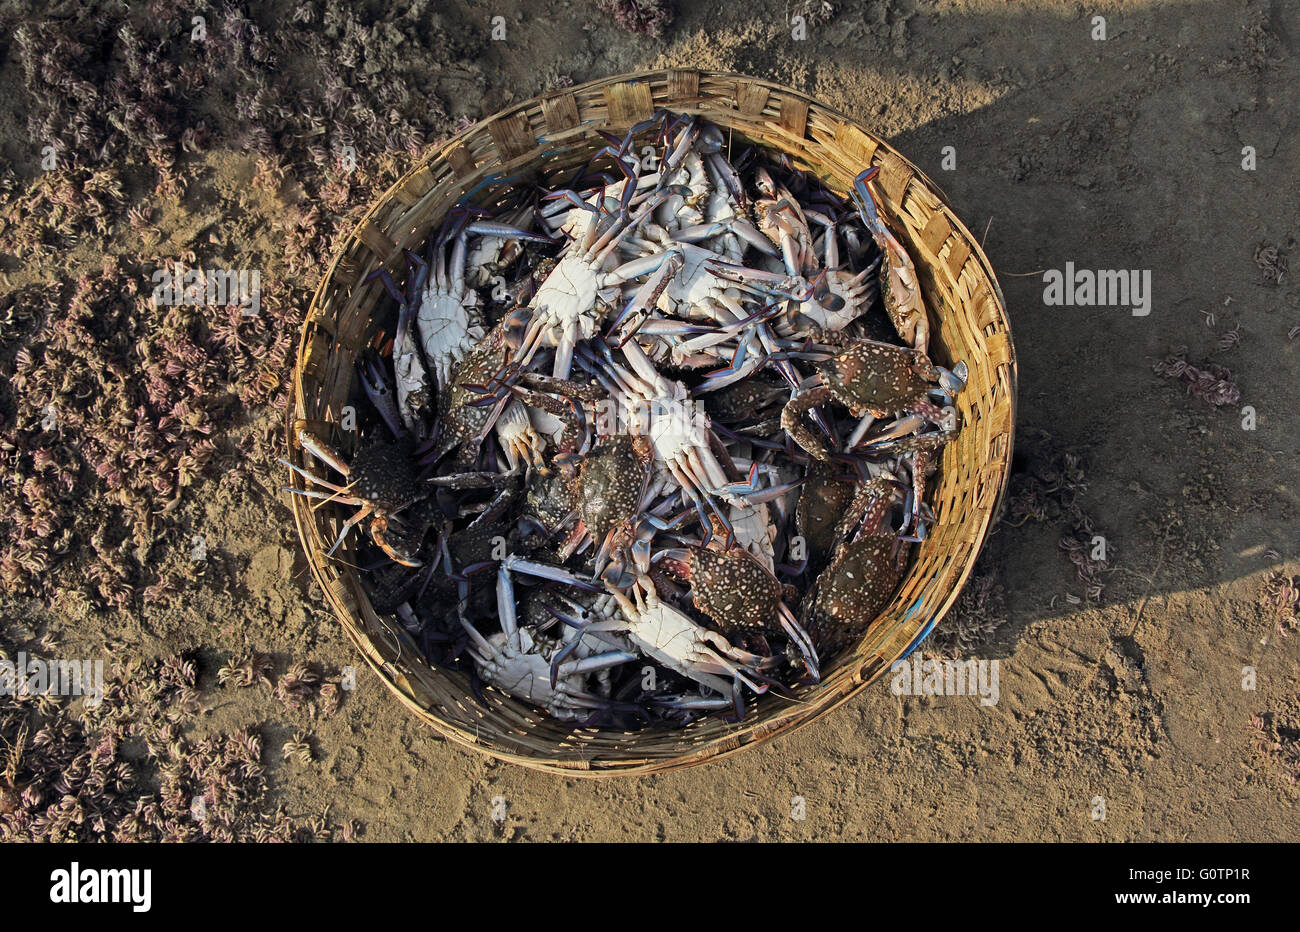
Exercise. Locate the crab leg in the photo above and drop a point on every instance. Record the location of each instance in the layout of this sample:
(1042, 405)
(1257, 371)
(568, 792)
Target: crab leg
(483, 644)
(466, 480)
(316, 479)
(859, 432)
(729, 175)
(629, 320)
(595, 662)
(644, 368)
(700, 703)
(505, 231)
(316, 494)
(376, 388)
(801, 640)
(742, 228)
(668, 326)
(740, 369)
(801, 402)
(673, 159)
(348, 525)
(564, 197)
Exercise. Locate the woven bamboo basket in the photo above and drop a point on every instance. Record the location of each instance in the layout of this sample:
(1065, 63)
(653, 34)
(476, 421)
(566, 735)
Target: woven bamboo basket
(537, 141)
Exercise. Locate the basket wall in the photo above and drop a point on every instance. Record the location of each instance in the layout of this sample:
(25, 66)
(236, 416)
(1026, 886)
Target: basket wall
(539, 139)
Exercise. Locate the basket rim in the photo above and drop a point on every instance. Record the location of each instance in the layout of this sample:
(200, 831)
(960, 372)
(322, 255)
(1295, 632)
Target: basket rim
(746, 734)
(450, 142)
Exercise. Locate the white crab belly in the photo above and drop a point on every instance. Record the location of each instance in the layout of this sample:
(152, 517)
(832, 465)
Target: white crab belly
(832, 321)
(754, 531)
(526, 676)
(679, 434)
(567, 299)
(668, 636)
(446, 333)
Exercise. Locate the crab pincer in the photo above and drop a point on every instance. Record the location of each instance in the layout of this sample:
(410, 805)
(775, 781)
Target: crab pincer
(899, 286)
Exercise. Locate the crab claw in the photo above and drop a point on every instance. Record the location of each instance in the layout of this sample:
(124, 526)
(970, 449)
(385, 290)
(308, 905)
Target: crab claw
(397, 550)
(384, 278)
(505, 230)
(326, 454)
(563, 197)
(740, 368)
(604, 553)
(562, 666)
(375, 385)
(752, 491)
(545, 571)
(900, 428)
(694, 703)
(864, 199)
(801, 640)
(643, 302)
(954, 380)
(515, 326)
(417, 275)
(759, 496)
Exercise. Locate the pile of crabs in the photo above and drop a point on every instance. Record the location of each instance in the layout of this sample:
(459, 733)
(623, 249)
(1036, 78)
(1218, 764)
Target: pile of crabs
(647, 441)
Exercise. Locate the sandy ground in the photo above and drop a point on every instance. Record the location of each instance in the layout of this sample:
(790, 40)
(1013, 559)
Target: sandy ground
(1124, 153)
